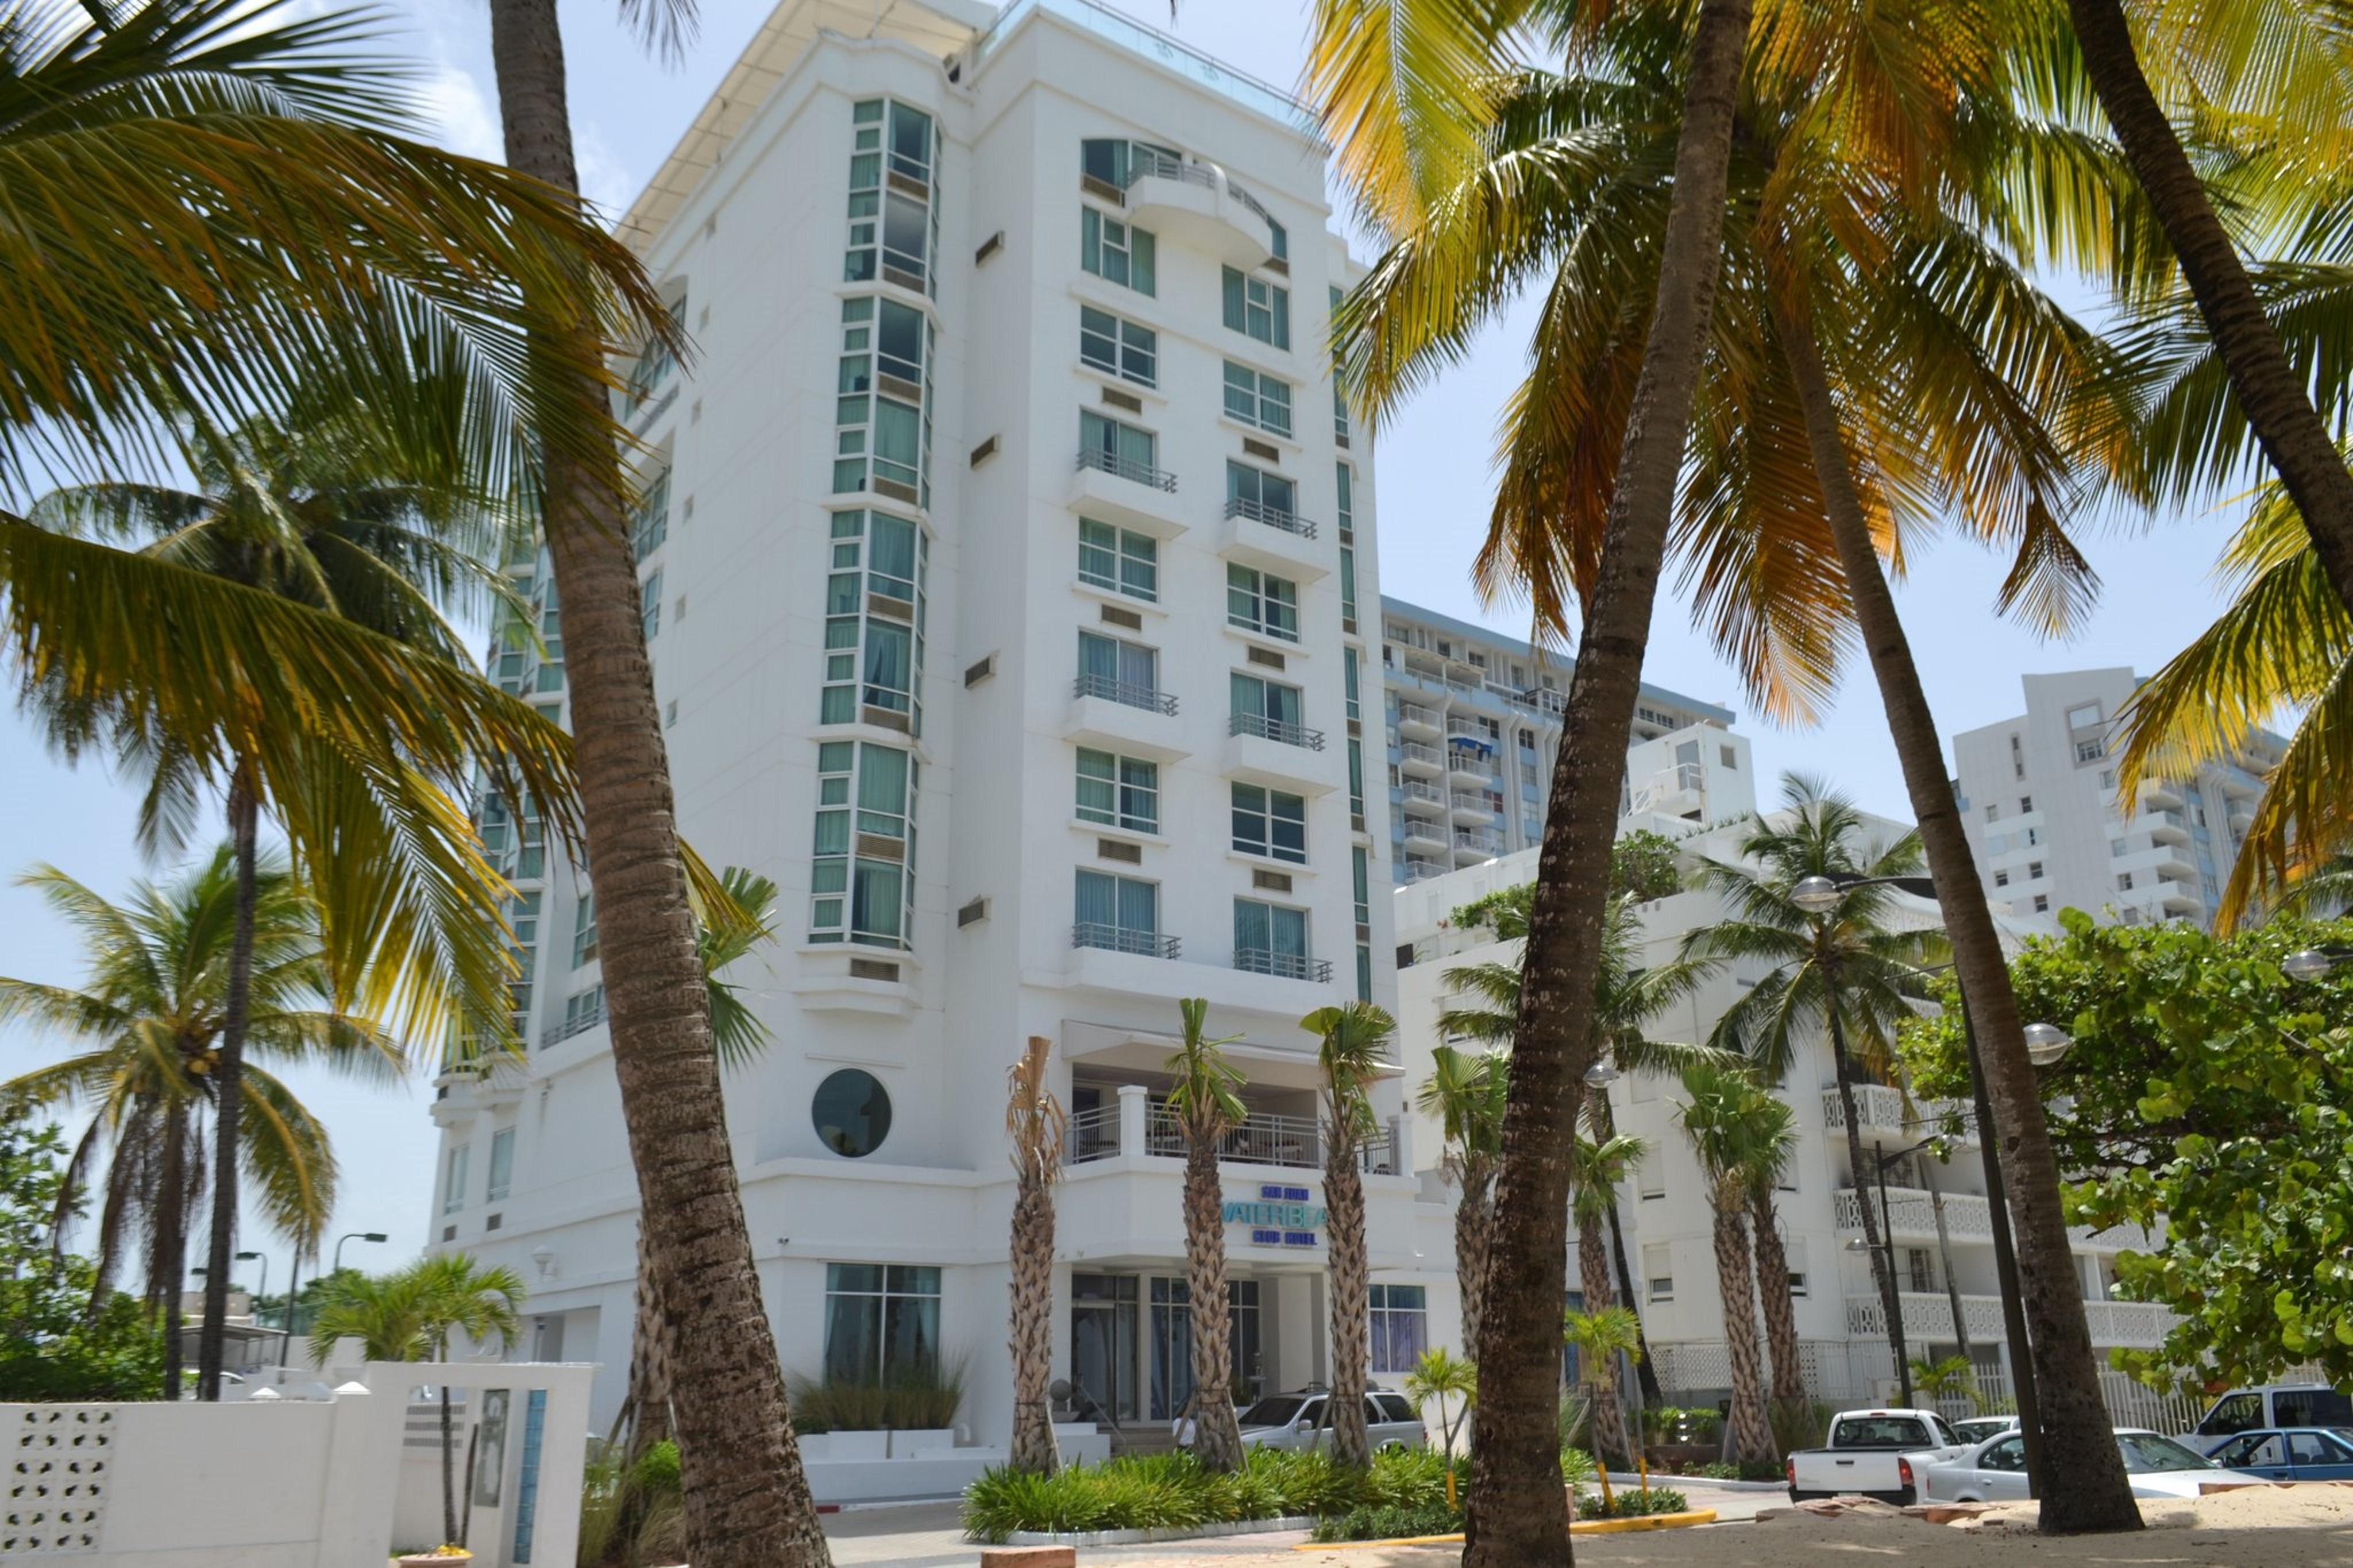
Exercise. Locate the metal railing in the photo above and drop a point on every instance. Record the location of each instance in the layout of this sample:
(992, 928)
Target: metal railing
(1280, 730)
(1414, 789)
(1261, 1138)
(1468, 728)
(1423, 871)
(1128, 469)
(577, 1024)
(1274, 517)
(1911, 1212)
(1483, 843)
(1882, 1108)
(1092, 1135)
(1147, 164)
(1126, 693)
(1288, 965)
(1122, 939)
(1458, 801)
(1929, 1315)
(1413, 753)
(1415, 713)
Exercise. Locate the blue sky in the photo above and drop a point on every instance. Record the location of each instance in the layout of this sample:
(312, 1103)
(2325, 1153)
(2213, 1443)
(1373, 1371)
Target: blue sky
(1434, 468)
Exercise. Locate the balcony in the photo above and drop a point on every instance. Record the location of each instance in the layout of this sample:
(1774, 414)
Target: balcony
(1280, 754)
(1418, 796)
(1423, 837)
(1470, 762)
(1264, 1138)
(2179, 898)
(1282, 966)
(1470, 848)
(1881, 1110)
(1274, 540)
(2167, 826)
(1467, 728)
(1420, 870)
(1928, 1315)
(1194, 199)
(1470, 808)
(1418, 723)
(2162, 794)
(1135, 720)
(1677, 791)
(1424, 761)
(1912, 1216)
(1120, 490)
(1105, 937)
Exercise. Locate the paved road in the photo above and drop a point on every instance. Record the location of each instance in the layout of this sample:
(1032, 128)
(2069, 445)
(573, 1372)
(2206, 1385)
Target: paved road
(925, 1535)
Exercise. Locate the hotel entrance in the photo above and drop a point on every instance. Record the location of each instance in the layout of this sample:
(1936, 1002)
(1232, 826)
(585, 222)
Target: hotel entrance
(1131, 1348)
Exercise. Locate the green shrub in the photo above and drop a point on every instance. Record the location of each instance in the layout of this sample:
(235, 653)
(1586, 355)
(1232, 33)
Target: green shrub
(1717, 1470)
(1634, 1502)
(1172, 1491)
(657, 1471)
(1388, 1523)
(1409, 1479)
(1577, 1467)
(924, 1399)
(1762, 1471)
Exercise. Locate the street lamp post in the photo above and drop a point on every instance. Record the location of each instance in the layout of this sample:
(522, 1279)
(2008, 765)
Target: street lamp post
(2313, 962)
(262, 1258)
(354, 1235)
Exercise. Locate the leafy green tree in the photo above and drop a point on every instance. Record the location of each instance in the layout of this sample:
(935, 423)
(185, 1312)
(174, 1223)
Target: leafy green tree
(1644, 866)
(63, 1336)
(2208, 1093)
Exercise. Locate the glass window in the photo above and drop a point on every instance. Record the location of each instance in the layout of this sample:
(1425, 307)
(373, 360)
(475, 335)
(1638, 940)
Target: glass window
(650, 519)
(1257, 400)
(851, 1111)
(1119, 559)
(1348, 679)
(453, 1179)
(1269, 498)
(1271, 823)
(1347, 589)
(900, 222)
(1364, 884)
(1118, 448)
(882, 432)
(1347, 481)
(649, 605)
(584, 930)
(1261, 602)
(861, 873)
(875, 606)
(1117, 162)
(1118, 792)
(1118, 347)
(1270, 939)
(881, 1323)
(2313, 1408)
(1117, 252)
(1122, 913)
(1258, 309)
(1122, 671)
(502, 1164)
(1279, 706)
(1355, 778)
(1400, 1327)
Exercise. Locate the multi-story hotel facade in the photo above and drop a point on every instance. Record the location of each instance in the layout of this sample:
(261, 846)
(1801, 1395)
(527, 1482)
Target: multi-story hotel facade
(1002, 549)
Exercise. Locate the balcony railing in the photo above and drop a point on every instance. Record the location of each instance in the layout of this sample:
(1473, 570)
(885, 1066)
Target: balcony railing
(1416, 714)
(1882, 1109)
(1912, 1212)
(1128, 469)
(1414, 791)
(1280, 730)
(579, 1023)
(1288, 965)
(1126, 693)
(1274, 517)
(1122, 939)
(1478, 843)
(1928, 1315)
(1423, 871)
(1262, 1137)
(1426, 755)
(1091, 1135)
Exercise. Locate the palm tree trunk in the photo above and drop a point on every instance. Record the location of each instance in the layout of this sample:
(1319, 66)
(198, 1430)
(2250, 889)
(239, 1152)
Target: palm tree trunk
(168, 1259)
(1944, 1257)
(652, 1343)
(448, 1473)
(1517, 1513)
(1780, 1317)
(1217, 1431)
(1033, 1325)
(1883, 1260)
(1350, 1283)
(1646, 1376)
(1593, 1278)
(2078, 1440)
(746, 1496)
(1751, 1434)
(228, 1099)
(1474, 1225)
(2271, 392)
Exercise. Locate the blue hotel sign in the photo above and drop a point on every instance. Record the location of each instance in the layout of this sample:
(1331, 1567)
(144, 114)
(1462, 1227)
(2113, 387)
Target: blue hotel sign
(1281, 1217)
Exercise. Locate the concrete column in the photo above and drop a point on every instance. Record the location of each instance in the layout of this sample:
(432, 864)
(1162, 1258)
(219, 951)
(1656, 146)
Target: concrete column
(1401, 1145)
(355, 1506)
(1134, 1115)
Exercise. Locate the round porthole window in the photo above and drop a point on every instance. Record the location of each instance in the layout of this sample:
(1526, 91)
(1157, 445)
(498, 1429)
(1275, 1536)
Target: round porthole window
(852, 1112)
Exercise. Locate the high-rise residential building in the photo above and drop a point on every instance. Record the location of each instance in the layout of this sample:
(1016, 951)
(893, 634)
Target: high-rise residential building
(1001, 551)
(1473, 721)
(2039, 794)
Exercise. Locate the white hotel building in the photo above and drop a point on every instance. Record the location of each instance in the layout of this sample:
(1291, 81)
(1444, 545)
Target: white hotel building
(1002, 555)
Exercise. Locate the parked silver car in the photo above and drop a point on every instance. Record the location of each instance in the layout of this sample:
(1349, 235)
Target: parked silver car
(1296, 1420)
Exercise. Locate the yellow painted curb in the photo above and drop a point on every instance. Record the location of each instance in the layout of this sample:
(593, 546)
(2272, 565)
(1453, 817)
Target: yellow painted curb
(1582, 1527)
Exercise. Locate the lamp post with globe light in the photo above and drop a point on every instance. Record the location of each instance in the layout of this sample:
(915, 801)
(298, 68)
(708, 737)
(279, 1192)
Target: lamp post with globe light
(2046, 1044)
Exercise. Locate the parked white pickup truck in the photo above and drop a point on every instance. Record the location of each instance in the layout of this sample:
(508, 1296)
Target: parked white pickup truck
(1883, 1453)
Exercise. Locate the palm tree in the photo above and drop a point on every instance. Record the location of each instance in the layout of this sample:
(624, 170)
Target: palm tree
(413, 1315)
(1440, 1377)
(1352, 1044)
(1600, 1335)
(1202, 1101)
(1594, 1171)
(1405, 107)
(1036, 1124)
(1773, 1145)
(152, 1011)
(1843, 971)
(1721, 1120)
(1465, 1090)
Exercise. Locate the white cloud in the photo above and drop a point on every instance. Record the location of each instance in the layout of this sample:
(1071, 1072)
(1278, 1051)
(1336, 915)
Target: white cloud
(605, 180)
(466, 122)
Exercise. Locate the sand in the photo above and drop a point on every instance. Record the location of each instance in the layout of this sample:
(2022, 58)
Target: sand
(2283, 1527)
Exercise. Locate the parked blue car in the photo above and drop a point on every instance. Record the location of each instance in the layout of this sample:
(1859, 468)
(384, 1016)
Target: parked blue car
(2291, 1454)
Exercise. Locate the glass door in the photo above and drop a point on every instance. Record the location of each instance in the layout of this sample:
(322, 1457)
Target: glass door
(1172, 1345)
(1103, 1346)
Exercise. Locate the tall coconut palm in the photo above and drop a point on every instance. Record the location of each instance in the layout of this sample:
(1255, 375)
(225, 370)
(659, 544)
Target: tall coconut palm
(150, 1013)
(1842, 973)
(1720, 1116)
(1594, 1171)
(1202, 1099)
(1036, 1124)
(1466, 1091)
(1354, 1042)
(1772, 1139)
(415, 1315)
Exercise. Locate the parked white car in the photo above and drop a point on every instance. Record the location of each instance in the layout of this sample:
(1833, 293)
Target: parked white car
(1877, 1454)
(1994, 1471)
(1976, 1429)
(1296, 1420)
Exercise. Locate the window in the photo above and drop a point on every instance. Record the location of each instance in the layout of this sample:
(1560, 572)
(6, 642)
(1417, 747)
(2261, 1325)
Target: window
(882, 435)
(1268, 822)
(2042, 903)
(874, 611)
(1119, 559)
(1117, 448)
(1993, 811)
(1119, 162)
(1339, 397)
(1355, 779)
(453, 1182)
(2090, 751)
(851, 1111)
(1348, 682)
(649, 605)
(1651, 1171)
(2124, 881)
(1258, 309)
(1266, 708)
(2107, 778)
(1125, 672)
(650, 519)
(1121, 913)
(1270, 940)
(900, 222)
(1400, 1327)
(1116, 252)
(1347, 588)
(1362, 868)
(1258, 400)
(861, 873)
(2313, 1408)
(501, 1165)
(1118, 347)
(1796, 1285)
(2035, 871)
(1118, 792)
(2025, 803)
(1347, 482)
(584, 930)
(1255, 493)
(1261, 601)
(2001, 879)
(882, 1322)
(2085, 717)
(1657, 1272)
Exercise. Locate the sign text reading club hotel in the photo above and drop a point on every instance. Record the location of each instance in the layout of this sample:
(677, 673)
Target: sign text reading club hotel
(1281, 1217)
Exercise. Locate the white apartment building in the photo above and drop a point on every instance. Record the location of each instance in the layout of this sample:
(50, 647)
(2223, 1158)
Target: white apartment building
(1474, 722)
(2038, 792)
(1663, 1208)
(1001, 551)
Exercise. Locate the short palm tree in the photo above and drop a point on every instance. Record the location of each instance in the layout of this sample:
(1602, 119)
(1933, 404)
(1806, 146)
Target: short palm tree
(148, 1017)
(1466, 1091)
(1438, 1377)
(1600, 1335)
(1352, 1044)
(1594, 1171)
(1720, 1117)
(1844, 971)
(1035, 1124)
(415, 1315)
(1203, 1100)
